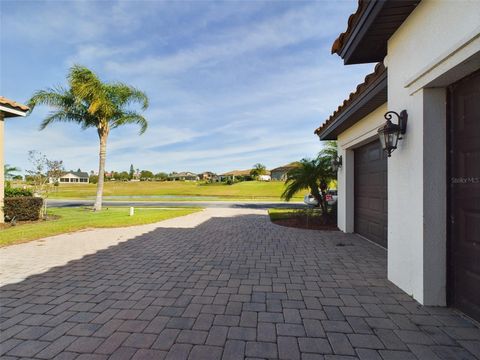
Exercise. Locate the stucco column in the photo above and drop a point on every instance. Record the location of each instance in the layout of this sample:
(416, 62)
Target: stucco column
(2, 175)
(434, 196)
(345, 188)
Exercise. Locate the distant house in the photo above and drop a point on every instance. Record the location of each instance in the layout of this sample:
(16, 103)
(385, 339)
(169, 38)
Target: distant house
(264, 177)
(74, 177)
(207, 176)
(235, 174)
(183, 176)
(280, 173)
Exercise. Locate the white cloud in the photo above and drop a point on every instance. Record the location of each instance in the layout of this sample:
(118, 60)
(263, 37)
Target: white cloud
(231, 83)
(293, 27)
(91, 53)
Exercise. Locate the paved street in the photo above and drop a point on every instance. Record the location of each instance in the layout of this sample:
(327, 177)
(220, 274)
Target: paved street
(220, 284)
(202, 204)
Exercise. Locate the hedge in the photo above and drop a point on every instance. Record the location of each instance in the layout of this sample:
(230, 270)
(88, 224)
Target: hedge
(23, 208)
(16, 192)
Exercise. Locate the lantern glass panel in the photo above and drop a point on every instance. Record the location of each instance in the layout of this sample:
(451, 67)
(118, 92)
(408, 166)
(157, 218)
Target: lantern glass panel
(382, 139)
(392, 140)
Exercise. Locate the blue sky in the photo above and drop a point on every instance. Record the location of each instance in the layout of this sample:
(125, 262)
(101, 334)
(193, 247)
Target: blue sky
(230, 83)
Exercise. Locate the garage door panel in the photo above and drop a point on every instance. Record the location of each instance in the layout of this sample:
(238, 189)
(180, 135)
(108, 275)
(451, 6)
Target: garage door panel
(464, 200)
(371, 193)
(376, 180)
(374, 154)
(376, 229)
(376, 205)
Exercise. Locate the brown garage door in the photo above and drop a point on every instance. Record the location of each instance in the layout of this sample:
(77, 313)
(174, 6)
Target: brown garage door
(464, 244)
(371, 193)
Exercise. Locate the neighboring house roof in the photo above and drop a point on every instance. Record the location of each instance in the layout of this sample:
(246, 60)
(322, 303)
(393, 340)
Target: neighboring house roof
(183, 173)
(12, 108)
(242, 173)
(80, 174)
(368, 96)
(285, 167)
(369, 28)
(238, 173)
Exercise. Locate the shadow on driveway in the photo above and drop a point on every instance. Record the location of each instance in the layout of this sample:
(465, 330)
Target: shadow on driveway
(231, 288)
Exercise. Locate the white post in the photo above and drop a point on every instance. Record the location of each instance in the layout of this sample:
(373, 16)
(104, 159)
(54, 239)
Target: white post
(132, 211)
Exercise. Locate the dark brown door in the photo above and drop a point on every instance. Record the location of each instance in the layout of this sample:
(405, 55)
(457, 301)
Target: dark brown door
(371, 193)
(464, 204)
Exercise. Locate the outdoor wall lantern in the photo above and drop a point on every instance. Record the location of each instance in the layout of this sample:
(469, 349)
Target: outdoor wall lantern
(390, 133)
(336, 163)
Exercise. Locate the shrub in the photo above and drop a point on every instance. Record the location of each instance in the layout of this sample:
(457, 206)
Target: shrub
(23, 208)
(17, 192)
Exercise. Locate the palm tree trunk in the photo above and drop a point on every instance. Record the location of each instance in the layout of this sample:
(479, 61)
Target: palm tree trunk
(103, 135)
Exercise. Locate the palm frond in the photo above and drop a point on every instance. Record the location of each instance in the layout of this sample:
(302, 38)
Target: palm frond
(86, 86)
(55, 97)
(310, 174)
(125, 95)
(299, 178)
(67, 115)
(130, 117)
(329, 149)
(91, 102)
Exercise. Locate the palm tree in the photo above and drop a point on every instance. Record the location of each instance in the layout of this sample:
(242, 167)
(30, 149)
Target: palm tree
(10, 171)
(310, 174)
(258, 169)
(329, 150)
(90, 102)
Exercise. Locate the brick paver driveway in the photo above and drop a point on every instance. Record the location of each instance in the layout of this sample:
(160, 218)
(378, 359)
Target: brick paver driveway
(231, 288)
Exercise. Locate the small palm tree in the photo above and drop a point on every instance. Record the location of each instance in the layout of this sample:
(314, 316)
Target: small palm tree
(10, 171)
(310, 174)
(258, 169)
(90, 102)
(329, 150)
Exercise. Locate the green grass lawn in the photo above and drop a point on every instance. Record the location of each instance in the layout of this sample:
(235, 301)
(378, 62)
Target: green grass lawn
(74, 219)
(247, 190)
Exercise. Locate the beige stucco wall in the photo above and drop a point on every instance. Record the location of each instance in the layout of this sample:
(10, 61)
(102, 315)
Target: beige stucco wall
(438, 44)
(359, 134)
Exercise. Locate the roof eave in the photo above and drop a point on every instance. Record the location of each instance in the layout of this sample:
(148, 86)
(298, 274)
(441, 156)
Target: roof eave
(362, 25)
(365, 41)
(12, 112)
(370, 99)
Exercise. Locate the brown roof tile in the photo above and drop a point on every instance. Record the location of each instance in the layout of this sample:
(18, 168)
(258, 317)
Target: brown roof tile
(286, 167)
(237, 173)
(369, 79)
(13, 104)
(352, 20)
(241, 173)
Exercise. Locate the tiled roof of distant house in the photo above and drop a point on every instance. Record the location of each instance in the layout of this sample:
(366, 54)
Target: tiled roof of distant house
(238, 173)
(81, 174)
(183, 173)
(285, 167)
